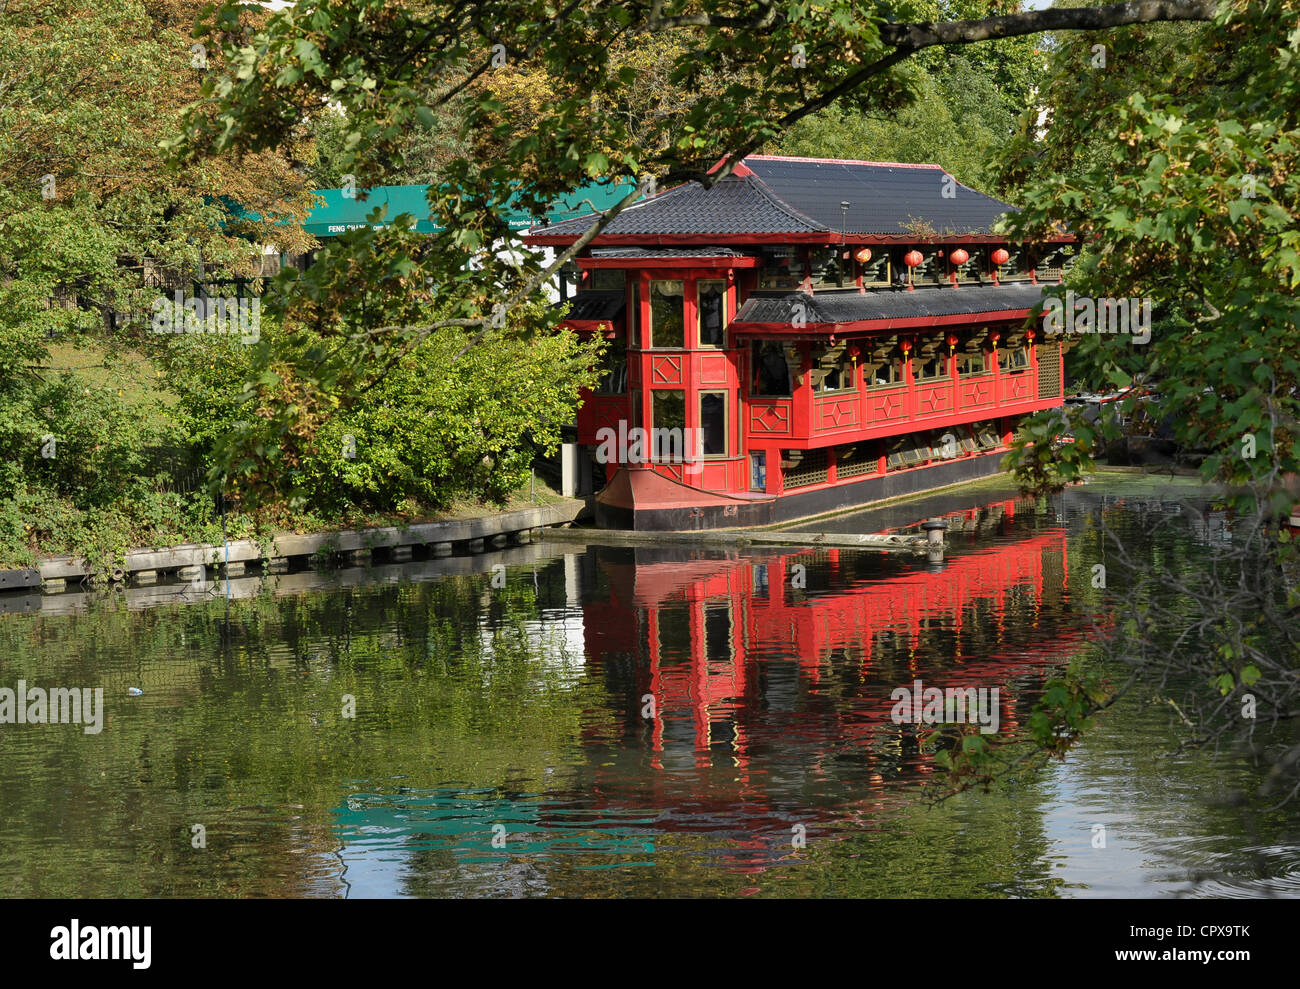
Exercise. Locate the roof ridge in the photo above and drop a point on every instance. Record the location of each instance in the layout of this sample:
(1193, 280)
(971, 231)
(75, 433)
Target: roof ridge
(844, 161)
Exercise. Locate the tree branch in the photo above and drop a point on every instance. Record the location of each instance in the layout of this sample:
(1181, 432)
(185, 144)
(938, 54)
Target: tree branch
(916, 36)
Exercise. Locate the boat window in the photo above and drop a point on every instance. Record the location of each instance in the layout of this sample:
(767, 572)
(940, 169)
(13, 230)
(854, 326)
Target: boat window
(712, 313)
(771, 371)
(1013, 358)
(713, 422)
(667, 320)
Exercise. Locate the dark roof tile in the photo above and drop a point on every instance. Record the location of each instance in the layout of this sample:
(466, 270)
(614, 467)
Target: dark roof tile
(736, 205)
(667, 252)
(803, 196)
(883, 198)
(596, 305)
(850, 307)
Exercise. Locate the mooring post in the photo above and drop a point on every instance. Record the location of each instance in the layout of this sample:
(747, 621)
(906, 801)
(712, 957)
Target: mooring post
(934, 530)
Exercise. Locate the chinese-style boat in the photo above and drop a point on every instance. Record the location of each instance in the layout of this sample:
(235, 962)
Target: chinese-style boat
(832, 332)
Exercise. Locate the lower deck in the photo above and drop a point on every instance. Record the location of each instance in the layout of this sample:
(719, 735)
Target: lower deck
(646, 499)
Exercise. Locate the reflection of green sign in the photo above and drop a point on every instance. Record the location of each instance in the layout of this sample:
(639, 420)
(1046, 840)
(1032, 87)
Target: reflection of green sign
(466, 822)
(340, 213)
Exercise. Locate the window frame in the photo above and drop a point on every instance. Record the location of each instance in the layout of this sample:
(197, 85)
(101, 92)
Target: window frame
(938, 358)
(699, 312)
(817, 264)
(755, 356)
(605, 274)
(653, 453)
(898, 377)
(681, 316)
(615, 362)
(1004, 359)
(846, 366)
(726, 422)
(793, 275)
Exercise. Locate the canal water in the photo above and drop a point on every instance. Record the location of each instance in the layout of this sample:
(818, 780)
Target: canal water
(590, 720)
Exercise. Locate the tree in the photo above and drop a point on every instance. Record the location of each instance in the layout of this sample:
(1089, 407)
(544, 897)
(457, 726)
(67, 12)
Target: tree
(89, 90)
(1172, 152)
(1173, 158)
(88, 204)
(958, 121)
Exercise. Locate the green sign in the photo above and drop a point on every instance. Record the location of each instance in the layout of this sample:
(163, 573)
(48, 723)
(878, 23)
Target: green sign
(340, 213)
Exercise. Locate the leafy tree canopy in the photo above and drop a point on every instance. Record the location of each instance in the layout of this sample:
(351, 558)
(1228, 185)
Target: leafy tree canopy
(1172, 152)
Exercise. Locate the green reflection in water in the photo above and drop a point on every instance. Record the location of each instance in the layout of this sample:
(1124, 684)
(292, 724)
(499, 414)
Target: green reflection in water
(521, 707)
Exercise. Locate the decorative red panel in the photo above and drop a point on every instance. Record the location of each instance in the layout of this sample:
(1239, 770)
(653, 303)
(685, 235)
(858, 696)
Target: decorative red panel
(977, 392)
(666, 370)
(769, 418)
(837, 413)
(1016, 387)
(712, 478)
(933, 399)
(713, 369)
(885, 405)
(671, 470)
(609, 415)
(599, 411)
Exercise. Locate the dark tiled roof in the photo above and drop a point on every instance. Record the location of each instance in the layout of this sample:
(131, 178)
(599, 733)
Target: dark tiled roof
(882, 198)
(596, 305)
(734, 206)
(666, 252)
(850, 307)
(803, 196)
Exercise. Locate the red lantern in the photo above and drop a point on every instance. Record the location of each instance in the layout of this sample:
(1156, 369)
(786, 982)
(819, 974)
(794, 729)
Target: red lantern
(959, 256)
(911, 259)
(1029, 334)
(863, 255)
(1000, 256)
(952, 340)
(995, 336)
(906, 346)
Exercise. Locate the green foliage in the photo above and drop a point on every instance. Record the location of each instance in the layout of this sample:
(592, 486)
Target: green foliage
(430, 429)
(87, 91)
(575, 103)
(434, 428)
(1177, 165)
(1056, 448)
(90, 473)
(1059, 720)
(451, 323)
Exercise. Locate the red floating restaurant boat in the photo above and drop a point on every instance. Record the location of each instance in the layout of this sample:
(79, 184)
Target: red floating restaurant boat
(821, 334)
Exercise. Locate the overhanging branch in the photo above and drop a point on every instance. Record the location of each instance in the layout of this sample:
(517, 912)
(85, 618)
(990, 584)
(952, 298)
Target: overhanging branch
(917, 36)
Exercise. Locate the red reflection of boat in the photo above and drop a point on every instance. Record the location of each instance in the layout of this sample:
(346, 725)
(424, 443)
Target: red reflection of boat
(772, 705)
(740, 611)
